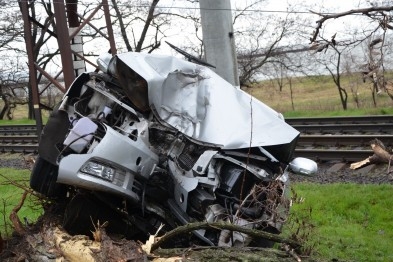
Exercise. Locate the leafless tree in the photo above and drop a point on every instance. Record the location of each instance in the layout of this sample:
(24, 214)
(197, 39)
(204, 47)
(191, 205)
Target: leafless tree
(377, 23)
(144, 24)
(11, 44)
(379, 14)
(351, 72)
(13, 89)
(130, 15)
(265, 41)
(257, 47)
(336, 74)
(13, 67)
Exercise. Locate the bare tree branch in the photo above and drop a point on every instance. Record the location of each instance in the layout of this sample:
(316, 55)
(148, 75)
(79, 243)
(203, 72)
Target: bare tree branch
(18, 226)
(148, 21)
(222, 225)
(122, 25)
(370, 12)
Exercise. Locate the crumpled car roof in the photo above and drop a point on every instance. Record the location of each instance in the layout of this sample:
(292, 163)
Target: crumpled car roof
(199, 103)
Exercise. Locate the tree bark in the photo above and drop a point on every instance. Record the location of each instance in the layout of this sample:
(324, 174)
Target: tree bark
(223, 254)
(221, 225)
(380, 155)
(18, 226)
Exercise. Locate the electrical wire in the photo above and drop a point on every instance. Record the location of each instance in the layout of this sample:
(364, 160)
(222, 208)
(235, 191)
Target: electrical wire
(253, 10)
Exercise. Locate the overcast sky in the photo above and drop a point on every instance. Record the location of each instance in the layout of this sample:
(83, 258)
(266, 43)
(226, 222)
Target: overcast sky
(332, 5)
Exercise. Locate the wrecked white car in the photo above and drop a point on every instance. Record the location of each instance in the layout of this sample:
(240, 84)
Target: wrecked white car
(153, 140)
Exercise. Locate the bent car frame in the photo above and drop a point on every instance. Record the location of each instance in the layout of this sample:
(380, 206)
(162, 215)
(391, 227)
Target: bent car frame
(153, 139)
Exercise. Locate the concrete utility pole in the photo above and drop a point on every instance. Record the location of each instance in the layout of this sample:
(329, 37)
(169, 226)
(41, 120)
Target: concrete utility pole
(218, 39)
(76, 42)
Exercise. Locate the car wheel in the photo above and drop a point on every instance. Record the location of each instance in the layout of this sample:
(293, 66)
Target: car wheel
(265, 243)
(85, 210)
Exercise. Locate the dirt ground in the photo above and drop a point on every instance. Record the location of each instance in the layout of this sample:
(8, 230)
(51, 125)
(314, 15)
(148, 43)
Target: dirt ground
(47, 241)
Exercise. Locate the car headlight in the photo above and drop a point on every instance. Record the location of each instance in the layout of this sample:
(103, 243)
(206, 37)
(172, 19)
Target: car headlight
(99, 170)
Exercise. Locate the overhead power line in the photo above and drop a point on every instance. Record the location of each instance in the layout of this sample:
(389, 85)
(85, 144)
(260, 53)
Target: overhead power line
(197, 8)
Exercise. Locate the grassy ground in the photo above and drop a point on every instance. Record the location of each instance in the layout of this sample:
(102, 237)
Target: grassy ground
(20, 116)
(345, 222)
(10, 196)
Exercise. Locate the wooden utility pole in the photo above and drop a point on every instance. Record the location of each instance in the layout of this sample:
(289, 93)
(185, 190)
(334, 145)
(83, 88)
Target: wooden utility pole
(79, 65)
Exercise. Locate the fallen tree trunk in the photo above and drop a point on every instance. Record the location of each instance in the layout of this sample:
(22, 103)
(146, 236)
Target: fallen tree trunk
(221, 225)
(224, 254)
(380, 155)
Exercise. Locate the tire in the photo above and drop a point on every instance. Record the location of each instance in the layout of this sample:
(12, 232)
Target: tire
(43, 179)
(265, 243)
(84, 209)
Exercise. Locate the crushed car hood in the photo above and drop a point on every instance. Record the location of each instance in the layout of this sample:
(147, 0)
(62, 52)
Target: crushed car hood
(199, 103)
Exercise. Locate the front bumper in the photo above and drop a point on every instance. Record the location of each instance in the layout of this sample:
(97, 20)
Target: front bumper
(132, 161)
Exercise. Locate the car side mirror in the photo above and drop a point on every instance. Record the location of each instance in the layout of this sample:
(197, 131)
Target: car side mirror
(303, 166)
(103, 62)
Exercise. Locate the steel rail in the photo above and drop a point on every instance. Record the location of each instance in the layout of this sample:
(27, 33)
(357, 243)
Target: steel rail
(333, 154)
(340, 120)
(18, 139)
(338, 138)
(294, 121)
(342, 140)
(381, 128)
(18, 129)
(310, 128)
(18, 148)
(315, 154)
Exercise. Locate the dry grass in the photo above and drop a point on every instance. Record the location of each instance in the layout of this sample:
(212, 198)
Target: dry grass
(318, 94)
(20, 114)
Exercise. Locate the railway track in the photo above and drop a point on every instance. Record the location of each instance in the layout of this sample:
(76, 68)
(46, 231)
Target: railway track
(322, 139)
(341, 138)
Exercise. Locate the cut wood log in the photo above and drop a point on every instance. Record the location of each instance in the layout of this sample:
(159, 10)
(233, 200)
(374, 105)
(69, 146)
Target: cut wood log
(381, 155)
(360, 164)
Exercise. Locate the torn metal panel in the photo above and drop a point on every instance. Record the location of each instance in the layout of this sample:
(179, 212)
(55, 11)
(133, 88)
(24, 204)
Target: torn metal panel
(196, 101)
